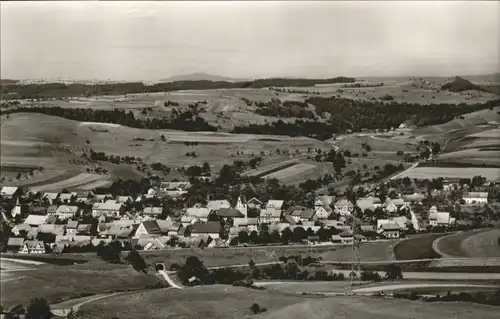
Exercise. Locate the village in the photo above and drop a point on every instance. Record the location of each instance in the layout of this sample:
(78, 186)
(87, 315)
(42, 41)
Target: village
(57, 223)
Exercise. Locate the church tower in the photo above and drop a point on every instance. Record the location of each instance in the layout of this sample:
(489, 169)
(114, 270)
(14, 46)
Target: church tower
(16, 210)
(241, 205)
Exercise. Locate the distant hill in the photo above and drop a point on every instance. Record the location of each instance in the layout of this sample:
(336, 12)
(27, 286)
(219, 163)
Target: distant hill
(483, 78)
(460, 84)
(8, 81)
(201, 77)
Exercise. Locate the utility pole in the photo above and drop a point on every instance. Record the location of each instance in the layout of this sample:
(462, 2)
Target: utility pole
(355, 229)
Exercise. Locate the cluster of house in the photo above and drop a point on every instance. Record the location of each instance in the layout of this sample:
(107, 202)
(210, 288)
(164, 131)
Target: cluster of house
(198, 226)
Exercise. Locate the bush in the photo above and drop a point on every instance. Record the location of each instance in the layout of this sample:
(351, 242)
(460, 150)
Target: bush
(370, 276)
(256, 309)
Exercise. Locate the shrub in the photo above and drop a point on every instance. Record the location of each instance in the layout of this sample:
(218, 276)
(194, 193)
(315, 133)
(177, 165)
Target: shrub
(370, 276)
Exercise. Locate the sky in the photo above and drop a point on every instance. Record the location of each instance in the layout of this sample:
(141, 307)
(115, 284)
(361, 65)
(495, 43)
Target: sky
(155, 40)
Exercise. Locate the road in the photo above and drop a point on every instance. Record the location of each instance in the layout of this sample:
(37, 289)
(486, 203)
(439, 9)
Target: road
(439, 275)
(64, 308)
(435, 245)
(440, 262)
(415, 286)
(172, 284)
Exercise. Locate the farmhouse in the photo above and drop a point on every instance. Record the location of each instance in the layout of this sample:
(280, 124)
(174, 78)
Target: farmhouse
(71, 228)
(33, 247)
(66, 198)
(148, 228)
(229, 212)
(211, 229)
(365, 203)
(174, 189)
(274, 204)
(199, 212)
(322, 213)
(249, 223)
(391, 230)
(218, 204)
(269, 215)
(66, 211)
(35, 220)
(440, 219)
(125, 200)
(308, 215)
(51, 197)
(15, 243)
(17, 229)
(189, 220)
(109, 209)
(344, 207)
(254, 203)
(10, 192)
(153, 211)
(476, 197)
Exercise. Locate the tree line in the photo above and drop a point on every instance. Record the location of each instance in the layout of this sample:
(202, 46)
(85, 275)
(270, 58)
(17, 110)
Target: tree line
(185, 121)
(59, 90)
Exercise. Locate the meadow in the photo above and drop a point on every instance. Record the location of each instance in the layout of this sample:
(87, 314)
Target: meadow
(491, 174)
(214, 302)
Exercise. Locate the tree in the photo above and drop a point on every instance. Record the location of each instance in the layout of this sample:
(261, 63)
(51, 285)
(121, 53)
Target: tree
(254, 237)
(111, 252)
(243, 237)
(255, 308)
(206, 168)
(394, 272)
(137, 262)
(286, 236)
(38, 309)
(193, 267)
(15, 312)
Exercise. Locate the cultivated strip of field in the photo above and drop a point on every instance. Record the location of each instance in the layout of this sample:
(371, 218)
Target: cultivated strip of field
(491, 174)
(290, 171)
(93, 185)
(268, 169)
(494, 133)
(80, 179)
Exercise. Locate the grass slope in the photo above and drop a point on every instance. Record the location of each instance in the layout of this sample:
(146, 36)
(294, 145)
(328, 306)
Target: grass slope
(57, 283)
(209, 302)
(217, 302)
(419, 247)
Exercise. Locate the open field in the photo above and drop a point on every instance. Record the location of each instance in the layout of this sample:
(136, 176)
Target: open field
(291, 171)
(472, 156)
(451, 245)
(214, 302)
(233, 256)
(380, 251)
(60, 147)
(210, 302)
(418, 247)
(483, 244)
(56, 283)
(81, 179)
(491, 174)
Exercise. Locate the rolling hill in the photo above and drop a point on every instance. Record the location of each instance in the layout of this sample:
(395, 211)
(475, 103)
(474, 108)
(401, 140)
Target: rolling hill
(201, 77)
